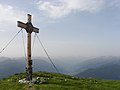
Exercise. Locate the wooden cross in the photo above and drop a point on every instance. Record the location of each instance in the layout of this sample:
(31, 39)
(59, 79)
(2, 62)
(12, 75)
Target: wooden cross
(29, 29)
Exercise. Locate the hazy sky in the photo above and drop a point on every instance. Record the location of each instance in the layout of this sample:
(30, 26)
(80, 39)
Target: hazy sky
(68, 28)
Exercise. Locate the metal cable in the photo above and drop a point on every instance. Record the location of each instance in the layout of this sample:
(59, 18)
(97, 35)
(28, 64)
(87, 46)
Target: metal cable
(10, 41)
(47, 54)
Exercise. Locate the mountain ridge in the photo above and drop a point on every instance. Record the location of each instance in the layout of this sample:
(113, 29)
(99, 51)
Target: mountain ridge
(106, 71)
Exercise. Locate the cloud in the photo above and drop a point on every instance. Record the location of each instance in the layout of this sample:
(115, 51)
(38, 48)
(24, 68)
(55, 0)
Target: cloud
(8, 17)
(61, 8)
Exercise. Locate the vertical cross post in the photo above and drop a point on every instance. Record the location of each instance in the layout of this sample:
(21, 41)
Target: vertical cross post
(29, 29)
(29, 61)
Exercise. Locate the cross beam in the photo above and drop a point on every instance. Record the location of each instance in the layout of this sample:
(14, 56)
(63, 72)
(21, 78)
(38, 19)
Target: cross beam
(29, 29)
(23, 25)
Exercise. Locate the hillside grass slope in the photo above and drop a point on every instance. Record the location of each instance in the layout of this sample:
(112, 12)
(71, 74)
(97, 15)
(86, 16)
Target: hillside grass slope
(56, 81)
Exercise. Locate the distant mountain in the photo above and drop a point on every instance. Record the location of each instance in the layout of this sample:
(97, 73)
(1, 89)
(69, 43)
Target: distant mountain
(69, 65)
(10, 66)
(82, 67)
(93, 63)
(110, 70)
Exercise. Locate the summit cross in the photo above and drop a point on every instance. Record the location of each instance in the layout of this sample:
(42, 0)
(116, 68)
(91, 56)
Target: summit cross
(29, 29)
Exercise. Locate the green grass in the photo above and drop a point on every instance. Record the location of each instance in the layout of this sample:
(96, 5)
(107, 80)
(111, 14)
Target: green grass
(58, 82)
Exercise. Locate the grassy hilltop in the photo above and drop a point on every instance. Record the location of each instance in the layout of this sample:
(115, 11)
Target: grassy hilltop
(56, 81)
